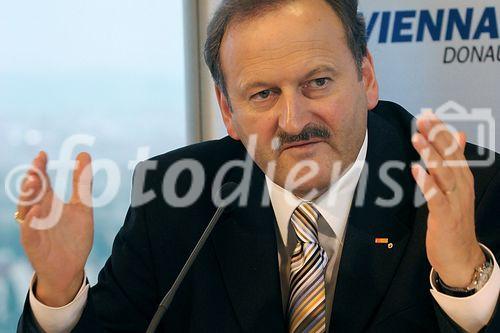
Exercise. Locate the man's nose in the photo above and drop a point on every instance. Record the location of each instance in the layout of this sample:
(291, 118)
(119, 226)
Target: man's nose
(294, 113)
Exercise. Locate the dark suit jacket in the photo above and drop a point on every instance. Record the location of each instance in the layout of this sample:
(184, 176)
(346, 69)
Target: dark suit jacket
(234, 284)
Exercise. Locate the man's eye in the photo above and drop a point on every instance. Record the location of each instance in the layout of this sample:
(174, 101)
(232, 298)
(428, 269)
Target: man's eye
(263, 95)
(319, 83)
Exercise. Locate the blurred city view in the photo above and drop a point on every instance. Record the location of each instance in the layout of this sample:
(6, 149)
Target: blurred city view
(111, 70)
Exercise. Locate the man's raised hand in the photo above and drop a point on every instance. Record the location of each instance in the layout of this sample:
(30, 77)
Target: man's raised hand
(448, 187)
(57, 236)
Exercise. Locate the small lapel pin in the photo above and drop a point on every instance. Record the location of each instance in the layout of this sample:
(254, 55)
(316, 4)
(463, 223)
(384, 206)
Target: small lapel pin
(384, 241)
(381, 240)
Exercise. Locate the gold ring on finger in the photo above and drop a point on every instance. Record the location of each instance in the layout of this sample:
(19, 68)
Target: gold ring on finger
(18, 218)
(451, 190)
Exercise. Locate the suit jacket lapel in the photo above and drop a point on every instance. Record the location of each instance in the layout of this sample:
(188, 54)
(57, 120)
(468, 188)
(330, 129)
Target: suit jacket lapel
(367, 268)
(245, 245)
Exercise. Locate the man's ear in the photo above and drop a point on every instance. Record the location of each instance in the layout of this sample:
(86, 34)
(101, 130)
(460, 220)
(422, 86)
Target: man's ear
(370, 81)
(226, 112)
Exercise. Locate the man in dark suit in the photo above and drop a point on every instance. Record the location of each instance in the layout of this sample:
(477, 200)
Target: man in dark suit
(341, 246)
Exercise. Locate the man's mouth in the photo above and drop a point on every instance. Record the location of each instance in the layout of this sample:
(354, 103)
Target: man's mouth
(301, 144)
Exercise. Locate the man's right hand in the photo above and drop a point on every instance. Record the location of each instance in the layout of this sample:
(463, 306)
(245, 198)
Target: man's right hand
(58, 254)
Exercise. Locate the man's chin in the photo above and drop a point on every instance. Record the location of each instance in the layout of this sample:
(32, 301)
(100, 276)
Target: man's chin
(303, 186)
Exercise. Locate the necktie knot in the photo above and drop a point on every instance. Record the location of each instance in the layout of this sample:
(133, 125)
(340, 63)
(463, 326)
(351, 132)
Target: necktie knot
(305, 223)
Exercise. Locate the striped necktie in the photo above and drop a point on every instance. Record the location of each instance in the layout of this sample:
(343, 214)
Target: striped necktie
(306, 306)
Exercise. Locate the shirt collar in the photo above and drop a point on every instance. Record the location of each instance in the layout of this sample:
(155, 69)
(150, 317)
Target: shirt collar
(333, 205)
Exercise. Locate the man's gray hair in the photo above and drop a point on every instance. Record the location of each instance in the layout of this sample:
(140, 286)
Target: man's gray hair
(347, 11)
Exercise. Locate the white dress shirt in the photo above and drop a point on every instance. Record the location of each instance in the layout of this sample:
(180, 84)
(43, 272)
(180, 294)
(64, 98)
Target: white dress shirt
(471, 313)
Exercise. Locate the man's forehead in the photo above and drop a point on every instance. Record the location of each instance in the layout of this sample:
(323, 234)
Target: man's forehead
(273, 30)
(298, 28)
(281, 38)
(256, 77)
(281, 52)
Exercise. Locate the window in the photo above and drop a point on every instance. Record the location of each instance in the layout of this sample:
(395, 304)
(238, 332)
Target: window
(109, 71)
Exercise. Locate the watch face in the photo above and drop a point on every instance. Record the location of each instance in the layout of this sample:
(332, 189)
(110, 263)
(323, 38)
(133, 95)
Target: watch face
(483, 275)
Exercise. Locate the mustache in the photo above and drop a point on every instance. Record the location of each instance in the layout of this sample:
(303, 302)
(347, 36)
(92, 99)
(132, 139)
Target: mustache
(309, 132)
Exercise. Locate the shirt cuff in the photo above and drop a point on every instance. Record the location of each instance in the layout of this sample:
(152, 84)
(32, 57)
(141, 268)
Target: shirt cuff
(474, 312)
(59, 320)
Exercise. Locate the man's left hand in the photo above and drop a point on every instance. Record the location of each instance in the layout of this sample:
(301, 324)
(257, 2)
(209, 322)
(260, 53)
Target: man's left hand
(448, 187)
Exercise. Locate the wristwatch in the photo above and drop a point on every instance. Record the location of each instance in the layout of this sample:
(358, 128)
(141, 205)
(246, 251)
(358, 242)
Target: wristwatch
(481, 276)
